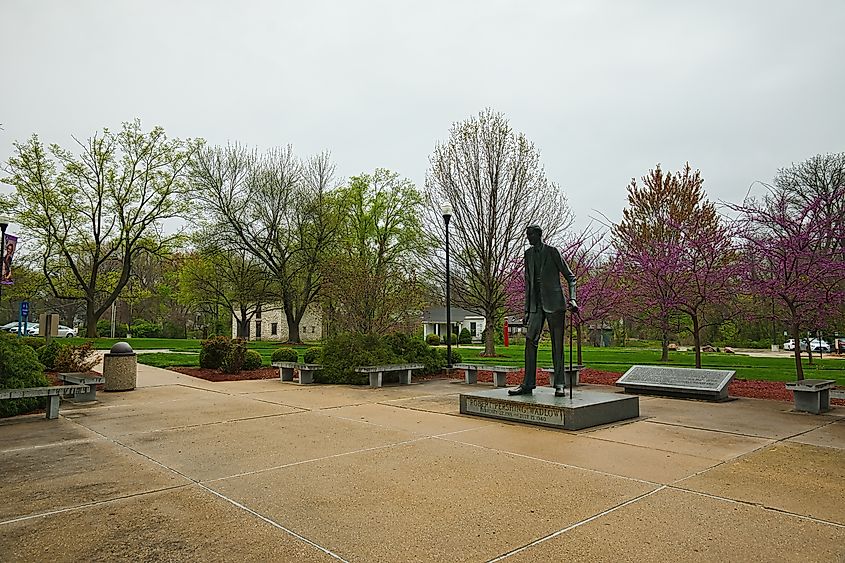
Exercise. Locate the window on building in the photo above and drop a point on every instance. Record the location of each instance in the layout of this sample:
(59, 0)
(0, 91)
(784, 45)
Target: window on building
(473, 327)
(257, 329)
(274, 329)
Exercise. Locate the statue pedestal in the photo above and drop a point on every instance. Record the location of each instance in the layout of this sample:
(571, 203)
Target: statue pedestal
(542, 408)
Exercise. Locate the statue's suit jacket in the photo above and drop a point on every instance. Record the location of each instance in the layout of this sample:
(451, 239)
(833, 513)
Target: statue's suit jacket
(551, 266)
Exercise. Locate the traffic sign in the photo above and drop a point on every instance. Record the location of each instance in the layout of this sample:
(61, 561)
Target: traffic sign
(24, 308)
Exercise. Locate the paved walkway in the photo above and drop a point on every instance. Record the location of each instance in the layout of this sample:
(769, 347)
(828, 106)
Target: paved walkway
(186, 470)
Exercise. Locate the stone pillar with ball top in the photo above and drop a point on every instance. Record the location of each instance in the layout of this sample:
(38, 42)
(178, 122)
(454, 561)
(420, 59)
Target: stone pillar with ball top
(120, 368)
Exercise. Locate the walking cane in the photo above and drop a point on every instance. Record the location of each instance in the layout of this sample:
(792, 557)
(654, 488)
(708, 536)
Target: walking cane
(571, 377)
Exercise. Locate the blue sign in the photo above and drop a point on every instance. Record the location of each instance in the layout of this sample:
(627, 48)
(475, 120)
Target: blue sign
(24, 308)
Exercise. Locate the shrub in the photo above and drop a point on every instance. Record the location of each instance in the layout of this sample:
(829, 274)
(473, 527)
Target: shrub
(145, 329)
(213, 351)
(48, 353)
(34, 342)
(313, 355)
(465, 337)
(233, 360)
(252, 360)
(343, 353)
(454, 338)
(76, 358)
(104, 329)
(410, 350)
(433, 340)
(170, 329)
(456, 357)
(285, 355)
(19, 367)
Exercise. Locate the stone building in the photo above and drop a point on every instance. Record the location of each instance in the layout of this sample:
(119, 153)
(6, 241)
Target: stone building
(269, 323)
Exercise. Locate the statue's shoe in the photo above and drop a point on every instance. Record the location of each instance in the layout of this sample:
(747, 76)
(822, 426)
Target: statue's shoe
(521, 390)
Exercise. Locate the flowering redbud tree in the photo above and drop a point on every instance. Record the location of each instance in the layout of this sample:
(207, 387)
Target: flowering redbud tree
(793, 257)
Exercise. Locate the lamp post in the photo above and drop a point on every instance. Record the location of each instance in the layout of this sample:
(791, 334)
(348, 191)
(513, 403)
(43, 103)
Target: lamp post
(4, 224)
(446, 209)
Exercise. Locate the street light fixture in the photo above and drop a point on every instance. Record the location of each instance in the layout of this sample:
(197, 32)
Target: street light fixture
(4, 224)
(446, 209)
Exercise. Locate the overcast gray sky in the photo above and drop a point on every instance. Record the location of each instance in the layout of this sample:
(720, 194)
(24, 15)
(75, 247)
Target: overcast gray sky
(604, 89)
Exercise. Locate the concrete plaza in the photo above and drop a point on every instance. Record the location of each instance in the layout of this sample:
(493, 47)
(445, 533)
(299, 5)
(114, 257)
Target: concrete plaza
(186, 470)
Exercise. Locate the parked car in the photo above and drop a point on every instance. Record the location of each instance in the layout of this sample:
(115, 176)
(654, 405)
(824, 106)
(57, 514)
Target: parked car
(31, 329)
(839, 344)
(816, 345)
(10, 327)
(67, 332)
(789, 345)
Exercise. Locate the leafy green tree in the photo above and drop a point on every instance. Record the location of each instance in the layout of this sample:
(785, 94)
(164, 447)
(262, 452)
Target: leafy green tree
(97, 211)
(370, 281)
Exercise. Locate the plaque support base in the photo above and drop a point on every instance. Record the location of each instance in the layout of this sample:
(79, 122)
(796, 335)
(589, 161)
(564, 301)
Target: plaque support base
(542, 408)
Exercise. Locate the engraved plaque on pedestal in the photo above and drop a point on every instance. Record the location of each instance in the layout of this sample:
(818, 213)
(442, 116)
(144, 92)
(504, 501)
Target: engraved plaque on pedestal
(687, 383)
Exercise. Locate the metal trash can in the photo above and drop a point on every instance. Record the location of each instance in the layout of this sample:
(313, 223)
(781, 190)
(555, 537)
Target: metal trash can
(120, 368)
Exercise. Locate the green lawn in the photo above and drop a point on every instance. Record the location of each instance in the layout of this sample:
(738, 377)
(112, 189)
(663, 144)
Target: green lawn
(620, 359)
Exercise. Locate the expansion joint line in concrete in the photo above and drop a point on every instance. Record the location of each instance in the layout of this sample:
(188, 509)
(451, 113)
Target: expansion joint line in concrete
(758, 505)
(91, 504)
(273, 523)
(710, 430)
(318, 459)
(575, 525)
(50, 445)
(205, 488)
(551, 462)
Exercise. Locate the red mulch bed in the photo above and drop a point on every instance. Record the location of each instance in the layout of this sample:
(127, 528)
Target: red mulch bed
(773, 390)
(214, 375)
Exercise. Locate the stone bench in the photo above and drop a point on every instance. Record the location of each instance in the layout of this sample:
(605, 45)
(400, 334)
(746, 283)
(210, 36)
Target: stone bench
(812, 395)
(376, 373)
(306, 371)
(83, 379)
(53, 395)
(500, 373)
(574, 372)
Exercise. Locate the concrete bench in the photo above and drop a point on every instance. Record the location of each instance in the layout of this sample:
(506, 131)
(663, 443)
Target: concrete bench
(53, 395)
(376, 373)
(575, 372)
(500, 373)
(83, 379)
(812, 395)
(306, 371)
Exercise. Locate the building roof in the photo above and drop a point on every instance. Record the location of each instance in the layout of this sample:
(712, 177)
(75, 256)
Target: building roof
(438, 315)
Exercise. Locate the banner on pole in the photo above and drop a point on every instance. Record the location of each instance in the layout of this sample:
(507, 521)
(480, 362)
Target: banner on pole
(9, 246)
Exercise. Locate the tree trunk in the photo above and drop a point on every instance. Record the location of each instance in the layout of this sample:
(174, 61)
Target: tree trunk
(578, 328)
(90, 319)
(799, 369)
(696, 336)
(664, 357)
(809, 351)
(490, 335)
(293, 320)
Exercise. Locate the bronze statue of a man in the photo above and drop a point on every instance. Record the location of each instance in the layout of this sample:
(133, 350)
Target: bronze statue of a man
(544, 301)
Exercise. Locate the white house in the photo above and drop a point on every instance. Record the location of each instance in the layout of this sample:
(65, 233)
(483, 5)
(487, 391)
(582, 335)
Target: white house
(434, 322)
(269, 323)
